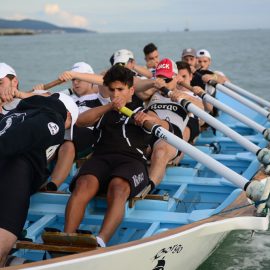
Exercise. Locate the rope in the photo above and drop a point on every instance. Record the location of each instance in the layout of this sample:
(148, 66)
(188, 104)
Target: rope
(256, 204)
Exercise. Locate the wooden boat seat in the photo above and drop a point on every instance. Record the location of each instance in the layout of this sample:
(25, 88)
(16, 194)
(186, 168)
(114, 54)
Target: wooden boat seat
(62, 242)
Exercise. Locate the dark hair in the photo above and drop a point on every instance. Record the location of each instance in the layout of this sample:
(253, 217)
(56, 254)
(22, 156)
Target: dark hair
(10, 76)
(183, 65)
(118, 73)
(149, 48)
(112, 59)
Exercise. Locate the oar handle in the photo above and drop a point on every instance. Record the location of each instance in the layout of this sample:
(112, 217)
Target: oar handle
(147, 124)
(52, 84)
(126, 111)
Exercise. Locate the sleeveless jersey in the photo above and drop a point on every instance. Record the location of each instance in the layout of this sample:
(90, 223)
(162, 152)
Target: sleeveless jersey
(168, 110)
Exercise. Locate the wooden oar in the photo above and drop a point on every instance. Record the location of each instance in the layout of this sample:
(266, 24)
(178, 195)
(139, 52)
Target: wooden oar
(263, 154)
(255, 107)
(52, 84)
(235, 114)
(247, 94)
(254, 189)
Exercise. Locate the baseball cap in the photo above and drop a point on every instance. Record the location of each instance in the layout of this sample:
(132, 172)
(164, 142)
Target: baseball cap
(6, 70)
(167, 68)
(82, 67)
(122, 56)
(72, 107)
(203, 53)
(189, 52)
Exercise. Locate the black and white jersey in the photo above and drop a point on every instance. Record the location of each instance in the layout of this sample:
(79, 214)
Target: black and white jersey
(168, 110)
(36, 124)
(119, 134)
(197, 80)
(88, 101)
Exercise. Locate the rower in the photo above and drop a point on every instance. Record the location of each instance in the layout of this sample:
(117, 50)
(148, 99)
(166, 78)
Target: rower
(121, 146)
(25, 134)
(87, 96)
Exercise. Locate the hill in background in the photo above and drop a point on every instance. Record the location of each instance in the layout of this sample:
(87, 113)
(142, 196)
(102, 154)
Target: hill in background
(36, 27)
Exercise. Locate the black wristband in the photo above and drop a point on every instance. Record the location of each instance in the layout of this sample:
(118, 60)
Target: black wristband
(152, 184)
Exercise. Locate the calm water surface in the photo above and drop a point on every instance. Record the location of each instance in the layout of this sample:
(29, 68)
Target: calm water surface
(242, 55)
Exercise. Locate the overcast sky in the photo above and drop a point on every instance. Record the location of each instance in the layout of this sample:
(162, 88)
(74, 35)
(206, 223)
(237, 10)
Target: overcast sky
(143, 15)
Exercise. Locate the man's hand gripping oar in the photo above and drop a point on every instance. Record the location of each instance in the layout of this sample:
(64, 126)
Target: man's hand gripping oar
(9, 93)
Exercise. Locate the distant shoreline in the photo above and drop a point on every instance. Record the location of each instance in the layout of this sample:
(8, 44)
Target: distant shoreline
(15, 32)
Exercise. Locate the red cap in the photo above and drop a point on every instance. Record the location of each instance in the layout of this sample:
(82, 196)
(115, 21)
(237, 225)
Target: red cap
(167, 68)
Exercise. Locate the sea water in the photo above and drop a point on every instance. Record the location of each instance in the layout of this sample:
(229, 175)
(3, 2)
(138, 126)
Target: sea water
(243, 55)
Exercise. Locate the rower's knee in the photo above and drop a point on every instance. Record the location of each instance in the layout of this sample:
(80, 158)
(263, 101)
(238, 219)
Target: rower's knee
(7, 241)
(85, 185)
(119, 188)
(160, 154)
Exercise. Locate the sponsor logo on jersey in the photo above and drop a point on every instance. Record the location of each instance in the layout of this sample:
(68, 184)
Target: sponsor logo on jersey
(53, 128)
(10, 120)
(168, 107)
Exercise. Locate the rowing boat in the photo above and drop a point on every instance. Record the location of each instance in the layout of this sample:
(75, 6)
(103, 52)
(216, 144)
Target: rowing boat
(176, 227)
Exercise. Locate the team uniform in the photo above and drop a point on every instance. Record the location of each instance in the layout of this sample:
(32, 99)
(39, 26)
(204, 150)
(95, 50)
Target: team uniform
(197, 81)
(25, 134)
(85, 137)
(119, 152)
(170, 111)
(193, 122)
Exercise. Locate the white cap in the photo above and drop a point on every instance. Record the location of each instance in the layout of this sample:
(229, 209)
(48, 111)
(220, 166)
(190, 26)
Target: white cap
(6, 70)
(122, 56)
(82, 67)
(72, 107)
(203, 53)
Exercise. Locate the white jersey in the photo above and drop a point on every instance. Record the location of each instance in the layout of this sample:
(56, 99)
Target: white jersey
(169, 110)
(191, 94)
(85, 103)
(88, 101)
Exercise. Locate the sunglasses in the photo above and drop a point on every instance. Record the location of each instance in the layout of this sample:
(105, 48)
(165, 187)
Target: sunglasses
(167, 80)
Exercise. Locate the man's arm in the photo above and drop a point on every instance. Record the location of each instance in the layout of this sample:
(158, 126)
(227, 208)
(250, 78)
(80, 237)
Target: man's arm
(91, 116)
(141, 117)
(92, 78)
(144, 88)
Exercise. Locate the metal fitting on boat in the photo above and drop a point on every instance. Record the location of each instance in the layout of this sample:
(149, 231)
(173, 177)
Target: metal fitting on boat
(264, 156)
(266, 134)
(267, 169)
(255, 190)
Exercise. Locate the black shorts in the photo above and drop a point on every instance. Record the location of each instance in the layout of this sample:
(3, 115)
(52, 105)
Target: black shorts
(106, 167)
(17, 178)
(194, 127)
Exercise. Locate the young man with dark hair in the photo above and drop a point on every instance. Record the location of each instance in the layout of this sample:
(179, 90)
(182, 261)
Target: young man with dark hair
(25, 133)
(151, 56)
(185, 75)
(118, 165)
